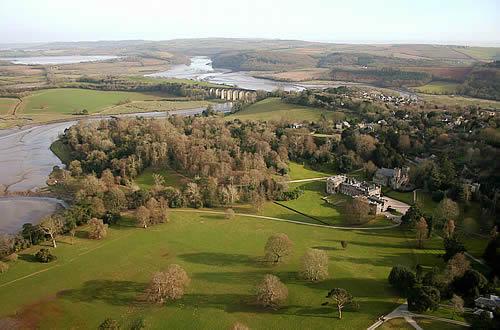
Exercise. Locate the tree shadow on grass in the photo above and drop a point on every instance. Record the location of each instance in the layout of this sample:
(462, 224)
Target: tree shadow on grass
(233, 303)
(327, 248)
(221, 259)
(27, 257)
(119, 293)
(82, 234)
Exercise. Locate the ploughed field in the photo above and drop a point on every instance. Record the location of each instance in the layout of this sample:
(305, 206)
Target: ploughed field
(93, 280)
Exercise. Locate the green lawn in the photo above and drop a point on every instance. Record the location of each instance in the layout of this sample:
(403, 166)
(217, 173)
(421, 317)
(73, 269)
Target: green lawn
(312, 204)
(301, 171)
(274, 109)
(62, 151)
(66, 101)
(93, 280)
(438, 87)
(428, 324)
(172, 178)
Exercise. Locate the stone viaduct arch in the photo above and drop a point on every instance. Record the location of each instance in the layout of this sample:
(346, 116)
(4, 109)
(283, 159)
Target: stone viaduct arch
(233, 94)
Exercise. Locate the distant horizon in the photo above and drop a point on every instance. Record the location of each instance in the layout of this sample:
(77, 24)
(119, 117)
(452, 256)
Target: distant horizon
(486, 44)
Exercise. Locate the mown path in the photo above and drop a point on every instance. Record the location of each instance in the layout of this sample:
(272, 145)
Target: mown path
(286, 220)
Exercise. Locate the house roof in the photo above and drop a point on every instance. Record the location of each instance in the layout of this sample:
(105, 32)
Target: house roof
(388, 172)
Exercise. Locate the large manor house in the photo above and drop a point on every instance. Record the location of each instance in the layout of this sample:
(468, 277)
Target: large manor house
(370, 192)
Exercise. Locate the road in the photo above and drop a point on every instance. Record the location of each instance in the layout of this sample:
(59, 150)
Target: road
(403, 312)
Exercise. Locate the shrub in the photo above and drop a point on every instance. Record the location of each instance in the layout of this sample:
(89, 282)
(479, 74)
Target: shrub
(45, 256)
(239, 326)
(402, 279)
(109, 324)
(229, 214)
(344, 244)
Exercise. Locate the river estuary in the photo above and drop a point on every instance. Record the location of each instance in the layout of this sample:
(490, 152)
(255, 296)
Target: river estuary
(26, 159)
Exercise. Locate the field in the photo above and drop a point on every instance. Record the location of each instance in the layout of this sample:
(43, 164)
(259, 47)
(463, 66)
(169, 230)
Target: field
(63, 103)
(438, 87)
(93, 280)
(274, 109)
(67, 101)
(452, 100)
(7, 105)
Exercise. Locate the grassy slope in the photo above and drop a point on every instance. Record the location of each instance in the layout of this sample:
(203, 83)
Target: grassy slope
(438, 87)
(273, 109)
(92, 280)
(61, 150)
(172, 178)
(300, 171)
(148, 106)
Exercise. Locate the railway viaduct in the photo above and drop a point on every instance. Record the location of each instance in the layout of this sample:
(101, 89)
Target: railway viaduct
(233, 94)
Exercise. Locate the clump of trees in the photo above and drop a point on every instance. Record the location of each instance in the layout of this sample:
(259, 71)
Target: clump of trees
(168, 285)
(153, 212)
(422, 298)
(278, 247)
(314, 265)
(402, 279)
(271, 292)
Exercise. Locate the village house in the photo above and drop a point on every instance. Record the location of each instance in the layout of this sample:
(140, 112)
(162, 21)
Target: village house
(395, 178)
(486, 304)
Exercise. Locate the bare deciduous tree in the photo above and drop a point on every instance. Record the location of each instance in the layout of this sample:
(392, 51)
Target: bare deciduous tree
(98, 229)
(142, 214)
(449, 228)
(358, 211)
(271, 292)
(229, 214)
(458, 305)
(278, 246)
(6, 245)
(168, 285)
(314, 265)
(421, 232)
(340, 297)
(52, 226)
(457, 266)
(447, 209)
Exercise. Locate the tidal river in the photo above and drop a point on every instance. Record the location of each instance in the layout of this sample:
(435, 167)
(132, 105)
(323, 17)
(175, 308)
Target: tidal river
(26, 161)
(201, 69)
